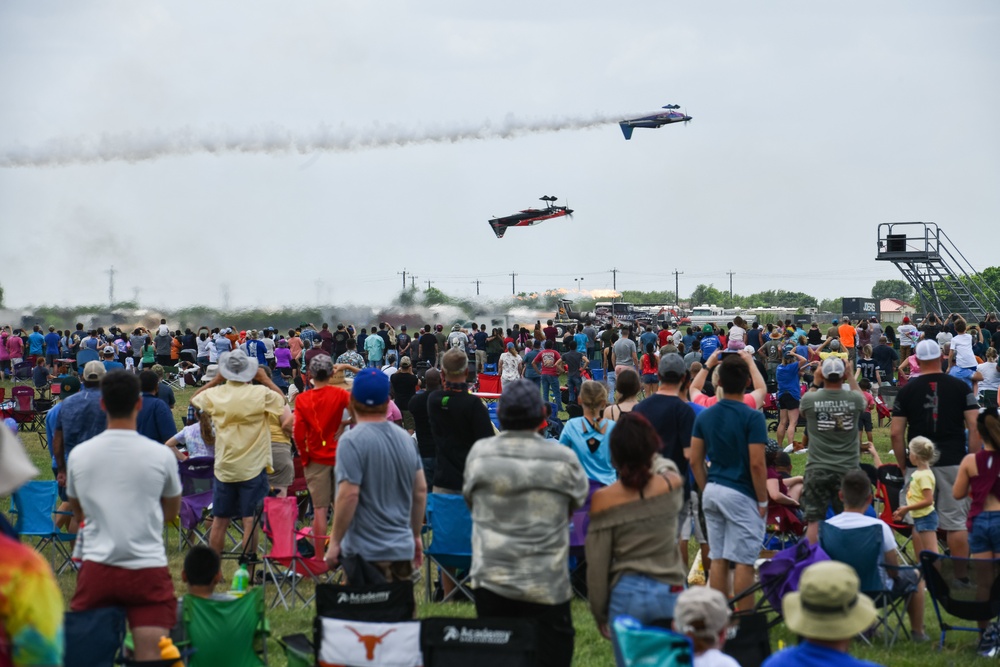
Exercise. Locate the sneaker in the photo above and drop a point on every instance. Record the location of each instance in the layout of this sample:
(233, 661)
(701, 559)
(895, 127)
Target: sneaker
(917, 637)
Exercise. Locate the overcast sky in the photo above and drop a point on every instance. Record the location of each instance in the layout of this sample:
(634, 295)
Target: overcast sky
(813, 123)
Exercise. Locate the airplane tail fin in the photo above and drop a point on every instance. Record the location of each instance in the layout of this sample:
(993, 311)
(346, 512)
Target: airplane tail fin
(498, 228)
(626, 130)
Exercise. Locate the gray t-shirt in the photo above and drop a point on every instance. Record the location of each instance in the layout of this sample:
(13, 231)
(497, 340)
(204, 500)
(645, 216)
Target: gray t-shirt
(624, 349)
(832, 423)
(137, 342)
(162, 344)
(380, 458)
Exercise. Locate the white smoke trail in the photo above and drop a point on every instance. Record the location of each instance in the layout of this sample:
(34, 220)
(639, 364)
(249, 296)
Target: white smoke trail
(273, 139)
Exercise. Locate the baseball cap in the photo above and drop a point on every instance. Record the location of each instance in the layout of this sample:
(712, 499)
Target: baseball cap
(701, 611)
(520, 407)
(69, 386)
(321, 362)
(672, 366)
(928, 350)
(371, 387)
(109, 349)
(405, 362)
(510, 346)
(94, 371)
(833, 368)
(834, 320)
(906, 320)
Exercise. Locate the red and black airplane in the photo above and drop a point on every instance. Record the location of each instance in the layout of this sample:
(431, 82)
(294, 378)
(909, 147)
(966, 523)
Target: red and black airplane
(530, 216)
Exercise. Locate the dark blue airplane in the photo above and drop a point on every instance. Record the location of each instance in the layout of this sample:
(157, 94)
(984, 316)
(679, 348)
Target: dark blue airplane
(654, 120)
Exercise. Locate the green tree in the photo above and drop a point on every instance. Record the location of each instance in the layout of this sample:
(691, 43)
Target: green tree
(707, 294)
(433, 297)
(831, 305)
(892, 289)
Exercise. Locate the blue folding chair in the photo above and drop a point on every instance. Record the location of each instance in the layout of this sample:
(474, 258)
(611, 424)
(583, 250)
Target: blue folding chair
(450, 533)
(861, 548)
(34, 505)
(637, 644)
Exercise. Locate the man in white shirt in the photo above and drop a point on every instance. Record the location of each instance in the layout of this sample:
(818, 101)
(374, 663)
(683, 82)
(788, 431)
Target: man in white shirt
(856, 494)
(961, 359)
(907, 338)
(122, 488)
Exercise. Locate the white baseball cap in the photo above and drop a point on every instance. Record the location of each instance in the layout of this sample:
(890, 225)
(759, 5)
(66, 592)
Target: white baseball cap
(928, 350)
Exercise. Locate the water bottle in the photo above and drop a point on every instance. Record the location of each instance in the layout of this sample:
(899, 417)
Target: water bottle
(241, 579)
(169, 652)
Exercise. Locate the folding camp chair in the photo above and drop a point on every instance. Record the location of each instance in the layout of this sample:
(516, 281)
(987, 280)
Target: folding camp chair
(780, 575)
(283, 564)
(226, 632)
(484, 642)
(450, 530)
(34, 505)
(172, 377)
(298, 650)
(861, 548)
(197, 477)
(22, 373)
(637, 644)
(26, 412)
(94, 638)
(888, 488)
(973, 596)
(783, 527)
(367, 625)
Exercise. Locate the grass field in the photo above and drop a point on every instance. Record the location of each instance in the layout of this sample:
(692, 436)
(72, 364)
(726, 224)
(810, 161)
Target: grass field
(591, 649)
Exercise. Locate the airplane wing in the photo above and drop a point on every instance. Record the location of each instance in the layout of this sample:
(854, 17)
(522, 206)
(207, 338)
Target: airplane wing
(498, 227)
(626, 130)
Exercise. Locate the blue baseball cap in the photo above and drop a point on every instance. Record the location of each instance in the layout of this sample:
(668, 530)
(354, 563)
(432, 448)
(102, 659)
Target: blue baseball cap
(371, 387)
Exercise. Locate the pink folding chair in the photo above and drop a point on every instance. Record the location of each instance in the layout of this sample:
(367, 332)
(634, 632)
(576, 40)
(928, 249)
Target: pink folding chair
(283, 564)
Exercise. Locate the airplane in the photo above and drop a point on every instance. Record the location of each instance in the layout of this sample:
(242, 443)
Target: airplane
(654, 120)
(530, 216)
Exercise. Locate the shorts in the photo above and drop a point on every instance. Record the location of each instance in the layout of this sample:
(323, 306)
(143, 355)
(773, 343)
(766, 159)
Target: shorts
(926, 524)
(821, 489)
(235, 500)
(284, 469)
(964, 374)
(408, 423)
(320, 481)
(735, 526)
(985, 533)
(952, 514)
(690, 520)
(788, 402)
(865, 422)
(650, 378)
(146, 594)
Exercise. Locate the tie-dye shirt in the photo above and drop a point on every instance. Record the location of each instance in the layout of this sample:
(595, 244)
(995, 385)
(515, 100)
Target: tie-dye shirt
(31, 608)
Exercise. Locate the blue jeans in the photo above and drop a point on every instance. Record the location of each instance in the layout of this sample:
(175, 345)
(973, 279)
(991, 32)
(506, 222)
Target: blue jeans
(551, 383)
(374, 363)
(985, 535)
(644, 599)
(428, 464)
(610, 377)
(573, 384)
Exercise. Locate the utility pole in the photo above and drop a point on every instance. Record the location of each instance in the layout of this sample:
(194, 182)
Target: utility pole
(477, 286)
(513, 290)
(731, 274)
(428, 285)
(614, 282)
(135, 296)
(413, 281)
(225, 297)
(402, 273)
(677, 287)
(111, 286)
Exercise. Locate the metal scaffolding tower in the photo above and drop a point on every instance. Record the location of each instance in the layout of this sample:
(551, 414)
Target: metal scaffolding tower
(939, 273)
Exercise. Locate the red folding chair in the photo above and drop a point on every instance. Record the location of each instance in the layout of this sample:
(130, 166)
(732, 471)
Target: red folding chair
(283, 564)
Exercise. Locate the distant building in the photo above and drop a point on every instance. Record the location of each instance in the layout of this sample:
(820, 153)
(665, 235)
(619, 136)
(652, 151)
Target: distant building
(892, 311)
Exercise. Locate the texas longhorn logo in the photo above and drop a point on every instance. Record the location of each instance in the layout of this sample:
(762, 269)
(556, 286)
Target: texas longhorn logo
(370, 641)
